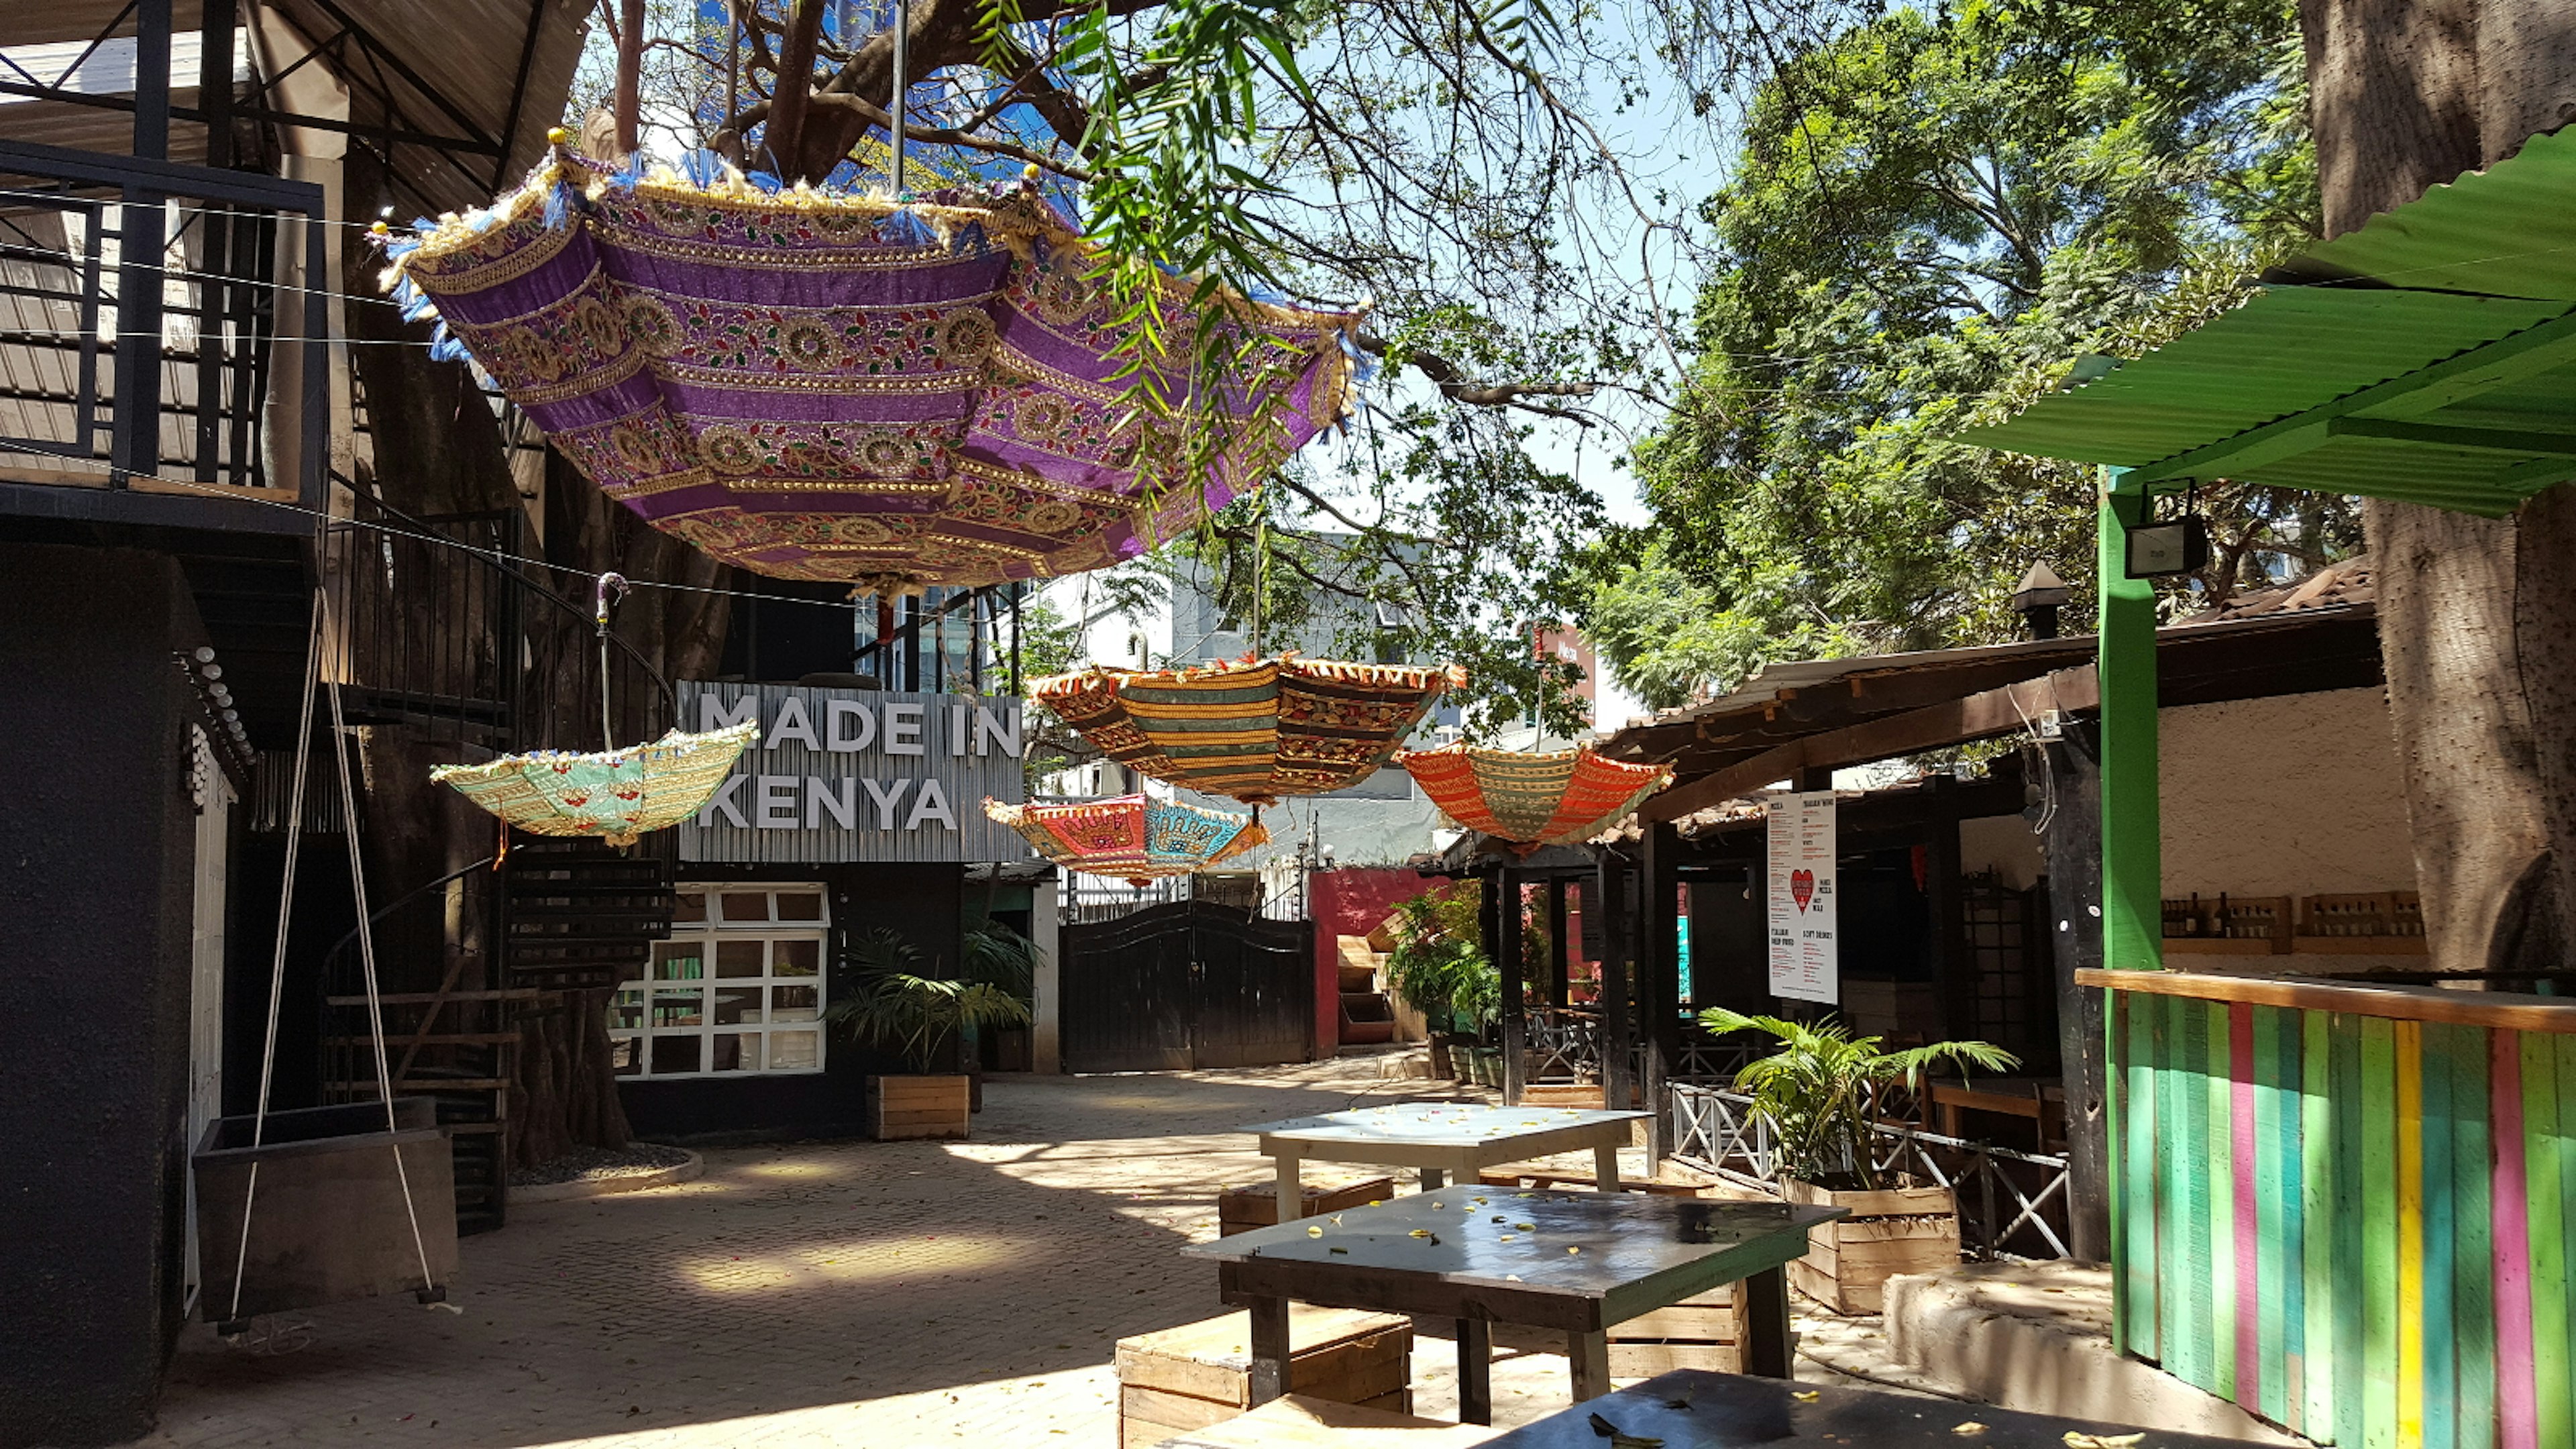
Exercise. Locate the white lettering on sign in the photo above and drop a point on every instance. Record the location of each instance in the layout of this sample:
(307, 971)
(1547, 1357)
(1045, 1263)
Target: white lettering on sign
(715, 714)
(777, 802)
(930, 804)
(841, 797)
(903, 730)
(1801, 907)
(723, 802)
(994, 729)
(794, 726)
(885, 793)
(863, 726)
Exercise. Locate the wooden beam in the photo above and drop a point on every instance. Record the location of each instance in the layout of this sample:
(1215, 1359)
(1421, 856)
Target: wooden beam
(1979, 716)
(2500, 1010)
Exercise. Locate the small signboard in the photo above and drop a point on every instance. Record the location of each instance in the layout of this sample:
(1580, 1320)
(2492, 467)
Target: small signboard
(1804, 963)
(857, 775)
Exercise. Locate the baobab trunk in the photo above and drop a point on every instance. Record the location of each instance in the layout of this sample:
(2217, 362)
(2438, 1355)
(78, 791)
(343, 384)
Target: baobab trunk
(2477, 617)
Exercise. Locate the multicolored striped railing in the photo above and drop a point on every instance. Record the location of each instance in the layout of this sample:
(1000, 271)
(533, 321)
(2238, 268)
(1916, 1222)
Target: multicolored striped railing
(2349, 1209)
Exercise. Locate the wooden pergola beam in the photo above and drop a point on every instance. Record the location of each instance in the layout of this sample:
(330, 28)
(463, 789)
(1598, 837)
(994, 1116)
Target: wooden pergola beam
(1979, 716)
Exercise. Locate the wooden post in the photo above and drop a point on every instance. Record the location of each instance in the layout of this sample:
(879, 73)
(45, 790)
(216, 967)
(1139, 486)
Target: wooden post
(1954, 975)
(2132, 846)
(1557, 946)
(1659, 979)
(1271, 1348)
(1767, 1344)
(1618, 1013)
(2072, 797)
(1507, 896)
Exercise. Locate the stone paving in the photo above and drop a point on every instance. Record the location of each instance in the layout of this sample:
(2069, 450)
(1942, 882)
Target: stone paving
(824, 1293)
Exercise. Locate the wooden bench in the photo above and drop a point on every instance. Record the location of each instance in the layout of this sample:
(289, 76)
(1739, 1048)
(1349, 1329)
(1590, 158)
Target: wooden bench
(1299, 1422)
(1200, 1374)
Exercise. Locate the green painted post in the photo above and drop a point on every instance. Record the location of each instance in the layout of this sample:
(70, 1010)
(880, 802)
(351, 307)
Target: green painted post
(2132, 850)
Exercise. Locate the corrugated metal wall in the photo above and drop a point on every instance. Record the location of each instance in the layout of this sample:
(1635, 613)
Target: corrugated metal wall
(2357, 1227)
(857, 775)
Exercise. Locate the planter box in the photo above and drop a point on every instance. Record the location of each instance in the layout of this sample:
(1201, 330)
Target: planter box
(1241, 1209)
(1200, 1374)
(1450, 1055)
(1890, 1231)
(905, 1107)
(1696, 1333)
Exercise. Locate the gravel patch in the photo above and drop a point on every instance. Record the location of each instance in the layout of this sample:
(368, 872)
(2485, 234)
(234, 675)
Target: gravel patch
(593, 1164)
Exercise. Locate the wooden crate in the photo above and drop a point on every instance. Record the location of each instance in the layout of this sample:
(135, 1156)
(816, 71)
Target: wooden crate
(1696, 1333)
(1890, 1231)
(1300, 1422)
(1201, 1373)
(905, 1107)
(1241, 1209)
(1562, 1094)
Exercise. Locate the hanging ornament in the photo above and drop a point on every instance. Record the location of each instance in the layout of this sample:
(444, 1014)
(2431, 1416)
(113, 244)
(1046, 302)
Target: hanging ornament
(1131, 837)
(1253, 730)
(818, 385)
(1558, 798)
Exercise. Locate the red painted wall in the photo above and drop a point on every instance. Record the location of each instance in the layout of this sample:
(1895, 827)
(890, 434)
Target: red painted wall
(1350, 902)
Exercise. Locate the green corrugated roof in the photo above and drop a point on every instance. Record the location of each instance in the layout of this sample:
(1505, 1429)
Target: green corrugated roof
(2429, 356)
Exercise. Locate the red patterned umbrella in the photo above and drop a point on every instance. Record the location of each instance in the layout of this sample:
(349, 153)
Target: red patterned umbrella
(1557, 798)
(1133, 837)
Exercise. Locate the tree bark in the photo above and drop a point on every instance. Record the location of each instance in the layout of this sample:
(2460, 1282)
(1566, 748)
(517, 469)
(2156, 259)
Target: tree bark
(2477, 616)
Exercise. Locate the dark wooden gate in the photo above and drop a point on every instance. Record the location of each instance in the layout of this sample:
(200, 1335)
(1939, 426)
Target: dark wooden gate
(1190, 984)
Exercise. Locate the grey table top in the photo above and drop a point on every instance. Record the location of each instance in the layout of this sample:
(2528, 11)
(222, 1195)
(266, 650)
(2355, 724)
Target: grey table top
(1571, 1260)
(1692, 1409)
(1467, 1126)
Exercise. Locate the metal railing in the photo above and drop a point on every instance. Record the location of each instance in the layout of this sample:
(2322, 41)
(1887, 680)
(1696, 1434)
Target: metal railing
(2011, 1204)
(1564, 1043)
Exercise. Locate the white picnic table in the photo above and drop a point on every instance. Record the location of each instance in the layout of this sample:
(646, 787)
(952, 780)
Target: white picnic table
(1440, 1140)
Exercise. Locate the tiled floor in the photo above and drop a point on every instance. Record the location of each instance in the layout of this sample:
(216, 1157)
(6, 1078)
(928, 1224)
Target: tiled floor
(842, 1293)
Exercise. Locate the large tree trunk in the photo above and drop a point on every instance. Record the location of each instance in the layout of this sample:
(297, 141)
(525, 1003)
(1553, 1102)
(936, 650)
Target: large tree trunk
(2477, 616)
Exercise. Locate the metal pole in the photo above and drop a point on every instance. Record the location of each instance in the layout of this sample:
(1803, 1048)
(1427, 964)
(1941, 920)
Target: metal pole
(895, 104)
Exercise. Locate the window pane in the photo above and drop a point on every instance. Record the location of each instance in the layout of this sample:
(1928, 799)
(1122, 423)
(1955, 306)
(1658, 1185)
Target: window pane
(626, 1011)
(738, 958)
(746, 905)
(626, 1055)
(692, 906)
(793, 1050)
(675, 1054)
(736, 1051)
(678, 1008)
(737, 1005)
(679, 960)
(800, 905)
(795, 958)
(794, 1003)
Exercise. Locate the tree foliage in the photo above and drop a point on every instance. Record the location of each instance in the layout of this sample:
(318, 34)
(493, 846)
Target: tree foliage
(1930, 213)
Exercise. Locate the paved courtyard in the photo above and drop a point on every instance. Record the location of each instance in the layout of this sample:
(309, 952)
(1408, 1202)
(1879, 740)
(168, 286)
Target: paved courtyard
(835, 1293)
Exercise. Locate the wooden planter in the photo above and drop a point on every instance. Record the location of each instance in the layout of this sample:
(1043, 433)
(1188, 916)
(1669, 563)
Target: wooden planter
(1241, 1209)
(1890, 1231)
(901, 1107)
(1702, 1332)
(1188, 1378)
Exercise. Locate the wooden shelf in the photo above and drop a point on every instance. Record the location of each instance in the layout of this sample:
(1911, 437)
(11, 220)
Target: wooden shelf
(2360, 945)
(2219, 946)
(2512, 1011)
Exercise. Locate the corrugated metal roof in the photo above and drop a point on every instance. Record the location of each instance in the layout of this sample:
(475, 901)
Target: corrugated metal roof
(2429, 356)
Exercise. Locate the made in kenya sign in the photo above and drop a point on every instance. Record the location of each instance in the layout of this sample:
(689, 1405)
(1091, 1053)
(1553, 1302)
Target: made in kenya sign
(856, 775)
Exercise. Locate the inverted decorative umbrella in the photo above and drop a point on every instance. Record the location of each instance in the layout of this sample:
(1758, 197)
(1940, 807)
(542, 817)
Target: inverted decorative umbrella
(817, 385)
(1133, 837)
(1253, 729)
(1532, 800)
(613, 794)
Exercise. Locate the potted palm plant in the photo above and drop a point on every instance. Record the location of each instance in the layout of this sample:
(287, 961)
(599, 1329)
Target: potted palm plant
(923, 1017)
(1439, 965)
(1814, 1095)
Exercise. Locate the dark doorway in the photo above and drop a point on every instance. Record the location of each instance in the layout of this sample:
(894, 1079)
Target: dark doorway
(1185, 985)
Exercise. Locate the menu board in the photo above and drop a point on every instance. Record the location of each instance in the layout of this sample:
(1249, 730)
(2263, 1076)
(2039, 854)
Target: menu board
(1804, 966)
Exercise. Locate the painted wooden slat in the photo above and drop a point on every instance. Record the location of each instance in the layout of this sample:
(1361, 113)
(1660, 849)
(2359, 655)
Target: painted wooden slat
(2517, 1397)
(2262, 1353)
(2116, 1061)
(2193, 1190)
(2317, 1367)
(2379, 1233)
(2141, 1270)
(2440, 1047)
(2173, 1215)
(2566, 1050)
(2345, 1154)
(2218, 1090)
(2551, 1370)
(2289, 1151)
(2472, 1261)
(2409, 1153)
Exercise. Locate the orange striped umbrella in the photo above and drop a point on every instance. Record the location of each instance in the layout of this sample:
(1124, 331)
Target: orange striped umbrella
(1557, 798)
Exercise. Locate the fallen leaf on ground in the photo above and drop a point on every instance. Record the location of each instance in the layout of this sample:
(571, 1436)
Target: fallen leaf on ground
(2078, 1440)
(1808, 1397)
(1970, 1427)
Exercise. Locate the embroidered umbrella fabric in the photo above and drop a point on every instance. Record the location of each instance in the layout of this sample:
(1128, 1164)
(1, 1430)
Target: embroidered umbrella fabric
(1532, 799)
(1133, 837)
(614, 794)
(1253, 730)
(824, 386)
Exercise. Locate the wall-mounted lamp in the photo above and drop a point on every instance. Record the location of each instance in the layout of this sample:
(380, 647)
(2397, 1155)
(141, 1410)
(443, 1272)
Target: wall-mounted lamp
(2173, 546)
(2038, 599)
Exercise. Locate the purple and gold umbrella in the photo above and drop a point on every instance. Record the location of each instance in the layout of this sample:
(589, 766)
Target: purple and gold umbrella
(816, 385)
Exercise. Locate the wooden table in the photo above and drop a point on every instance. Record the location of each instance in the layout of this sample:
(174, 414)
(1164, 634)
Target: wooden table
(1576, 1262)
(1694, 1409)
(1442, 1140)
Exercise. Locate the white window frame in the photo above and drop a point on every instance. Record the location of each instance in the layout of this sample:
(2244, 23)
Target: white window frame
(632, 1030)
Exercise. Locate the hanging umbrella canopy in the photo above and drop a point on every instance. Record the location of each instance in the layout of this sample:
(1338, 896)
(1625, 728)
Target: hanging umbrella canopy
(613, 794)
(815, 385)
(1253, 730)
(1133, 837)
(1557, 798)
